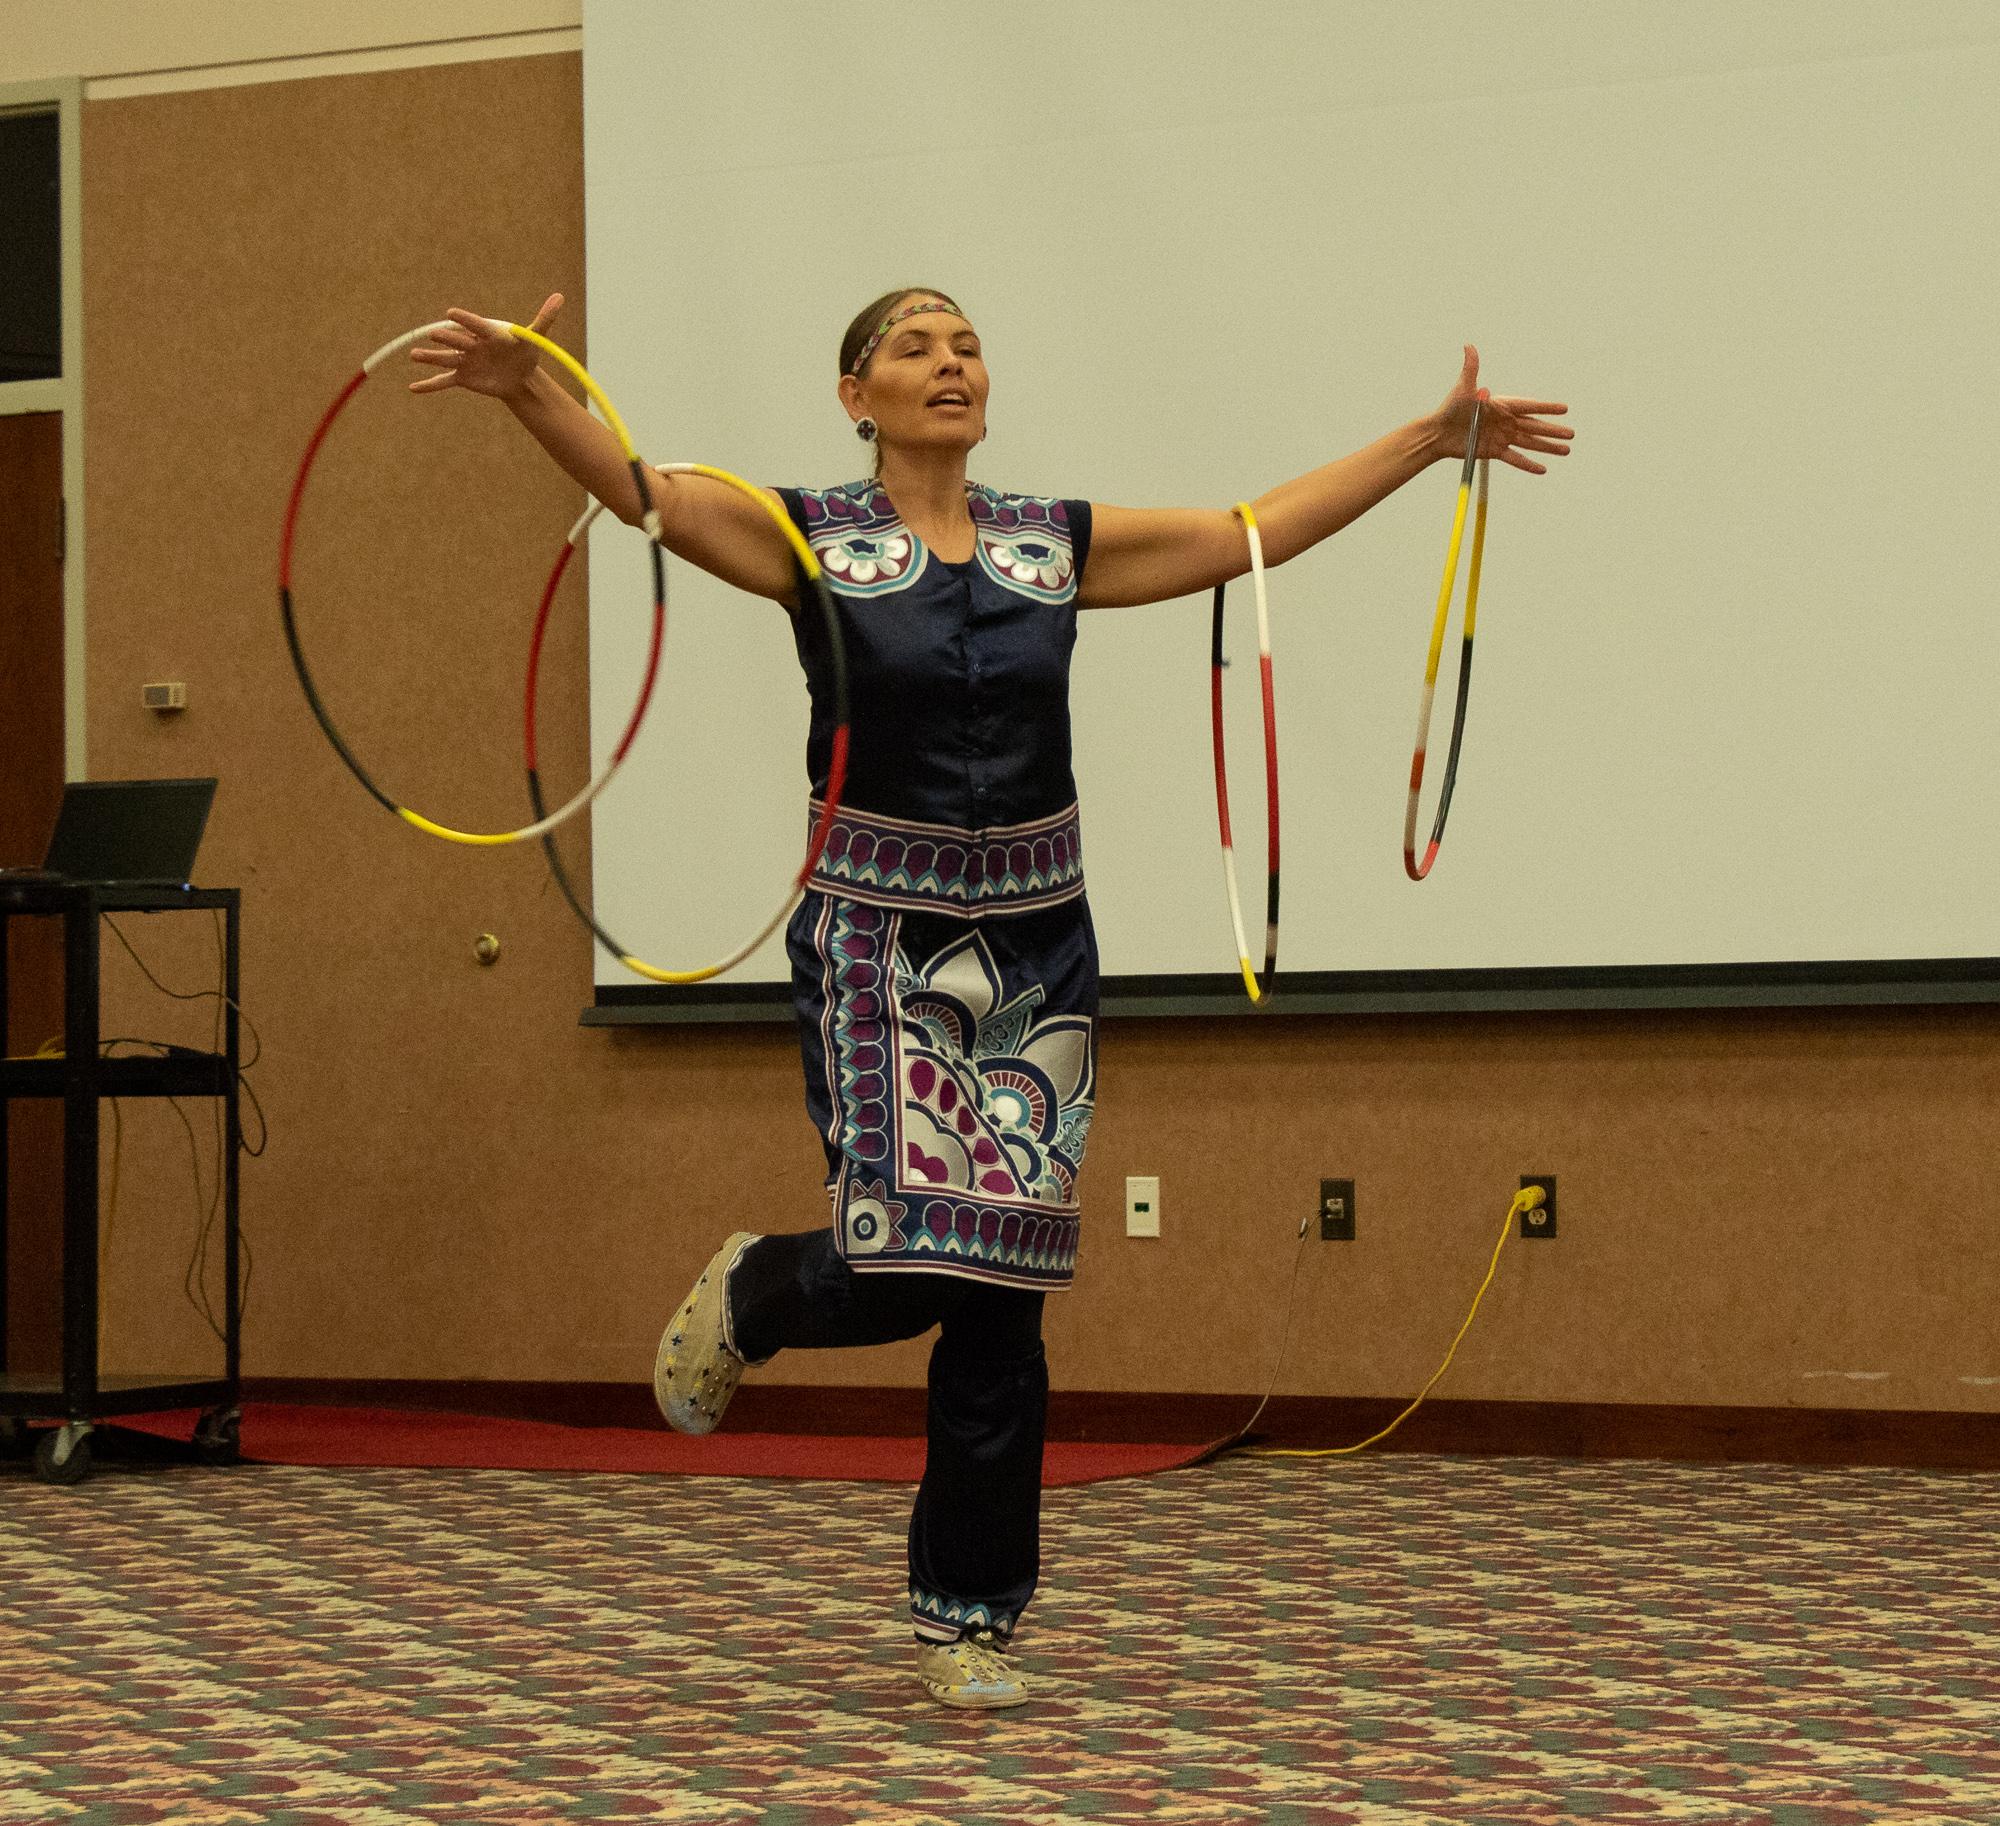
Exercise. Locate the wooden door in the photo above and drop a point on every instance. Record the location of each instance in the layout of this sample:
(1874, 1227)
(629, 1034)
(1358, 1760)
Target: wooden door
(31, 780)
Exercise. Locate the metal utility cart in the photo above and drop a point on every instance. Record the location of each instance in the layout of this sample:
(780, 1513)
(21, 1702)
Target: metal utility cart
(80, 1398)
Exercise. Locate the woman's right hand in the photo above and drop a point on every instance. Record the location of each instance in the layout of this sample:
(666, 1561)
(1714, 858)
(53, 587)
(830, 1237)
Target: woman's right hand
(480, 356)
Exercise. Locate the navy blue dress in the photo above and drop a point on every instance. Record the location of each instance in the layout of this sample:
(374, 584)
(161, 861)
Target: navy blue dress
(943, 964)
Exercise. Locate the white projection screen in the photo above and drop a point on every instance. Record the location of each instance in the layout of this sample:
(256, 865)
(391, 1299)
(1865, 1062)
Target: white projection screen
(1726, 712)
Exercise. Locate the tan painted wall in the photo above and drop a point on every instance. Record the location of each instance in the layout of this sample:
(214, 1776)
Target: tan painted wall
(463, 1183)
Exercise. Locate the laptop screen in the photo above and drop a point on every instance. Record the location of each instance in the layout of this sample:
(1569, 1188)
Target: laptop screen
(130, 830)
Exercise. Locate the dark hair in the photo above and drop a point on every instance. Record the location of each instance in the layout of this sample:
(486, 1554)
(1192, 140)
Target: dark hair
(870, 319)
(868, 322)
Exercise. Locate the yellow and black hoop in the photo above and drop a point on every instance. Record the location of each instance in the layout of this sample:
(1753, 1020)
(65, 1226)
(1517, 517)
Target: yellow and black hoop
(1257, 987)
(544, 823)
(1415, 869)
(813, 580)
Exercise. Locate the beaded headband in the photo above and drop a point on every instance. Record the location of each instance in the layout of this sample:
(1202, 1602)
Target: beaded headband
(938, 302)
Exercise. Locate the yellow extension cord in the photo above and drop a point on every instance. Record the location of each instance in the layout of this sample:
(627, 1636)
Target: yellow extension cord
(1529, 1198)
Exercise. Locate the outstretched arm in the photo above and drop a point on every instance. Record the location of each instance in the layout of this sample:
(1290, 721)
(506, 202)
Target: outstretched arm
(705, 522)
(1155, 554)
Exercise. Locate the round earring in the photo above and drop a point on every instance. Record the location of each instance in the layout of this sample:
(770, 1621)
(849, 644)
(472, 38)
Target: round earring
(864, 429)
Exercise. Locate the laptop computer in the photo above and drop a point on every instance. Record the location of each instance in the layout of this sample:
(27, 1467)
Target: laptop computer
(134, 833)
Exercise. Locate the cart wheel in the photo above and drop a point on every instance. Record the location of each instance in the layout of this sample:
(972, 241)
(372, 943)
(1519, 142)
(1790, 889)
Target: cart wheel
(218, 1436)
(63, 1455)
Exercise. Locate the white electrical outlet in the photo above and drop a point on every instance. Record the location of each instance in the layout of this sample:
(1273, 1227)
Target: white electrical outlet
(1142, 1207)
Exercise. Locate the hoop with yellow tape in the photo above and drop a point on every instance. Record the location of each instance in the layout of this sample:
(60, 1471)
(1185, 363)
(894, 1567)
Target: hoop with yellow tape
(1415, 869)
(1256, 986)
(544, 823)
(813, 582)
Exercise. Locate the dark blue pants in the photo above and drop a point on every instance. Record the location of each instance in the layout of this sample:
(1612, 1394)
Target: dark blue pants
(975, 1533)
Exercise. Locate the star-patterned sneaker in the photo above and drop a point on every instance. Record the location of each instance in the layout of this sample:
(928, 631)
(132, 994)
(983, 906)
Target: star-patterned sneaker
(696, 1372)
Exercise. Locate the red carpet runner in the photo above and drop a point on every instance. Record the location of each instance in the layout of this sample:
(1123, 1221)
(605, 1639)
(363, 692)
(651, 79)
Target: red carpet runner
(280, 1435)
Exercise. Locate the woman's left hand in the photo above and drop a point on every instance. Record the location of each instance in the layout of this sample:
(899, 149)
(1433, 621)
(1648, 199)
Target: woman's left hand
(1507, 427)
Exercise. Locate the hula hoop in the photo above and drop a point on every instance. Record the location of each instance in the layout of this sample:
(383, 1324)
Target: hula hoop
(815, 579)
(1258, 990)
(649, 518)
(1411, 866)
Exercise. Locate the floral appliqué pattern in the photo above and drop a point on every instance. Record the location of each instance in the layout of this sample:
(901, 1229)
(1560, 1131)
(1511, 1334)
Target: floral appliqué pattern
(971, 1152)
(866, 549)
(995, 1101)
(859, 561)
(1024, 544)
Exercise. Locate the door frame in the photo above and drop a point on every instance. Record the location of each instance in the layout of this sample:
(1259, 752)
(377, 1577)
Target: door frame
(64, 394)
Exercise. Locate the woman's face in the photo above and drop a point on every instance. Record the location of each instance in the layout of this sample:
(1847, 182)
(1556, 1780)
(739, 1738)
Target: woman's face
(925, 385)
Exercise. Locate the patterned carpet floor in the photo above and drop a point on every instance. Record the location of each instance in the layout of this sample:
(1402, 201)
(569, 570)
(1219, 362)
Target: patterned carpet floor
(1384, 1640)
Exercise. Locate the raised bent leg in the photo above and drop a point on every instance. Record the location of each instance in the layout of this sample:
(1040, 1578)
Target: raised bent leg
(795, 1293)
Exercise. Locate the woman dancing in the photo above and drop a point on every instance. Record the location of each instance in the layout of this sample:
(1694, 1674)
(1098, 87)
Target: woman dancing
(943, 964)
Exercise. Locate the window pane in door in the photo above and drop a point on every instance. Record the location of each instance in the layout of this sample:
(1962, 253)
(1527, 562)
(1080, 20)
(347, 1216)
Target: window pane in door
(31, 234)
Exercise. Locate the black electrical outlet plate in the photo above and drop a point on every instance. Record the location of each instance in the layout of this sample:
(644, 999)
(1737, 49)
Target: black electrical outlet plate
(1542, 1221)
(1336, 1210)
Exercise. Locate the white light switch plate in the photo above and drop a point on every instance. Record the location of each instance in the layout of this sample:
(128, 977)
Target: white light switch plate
(1142, 1207)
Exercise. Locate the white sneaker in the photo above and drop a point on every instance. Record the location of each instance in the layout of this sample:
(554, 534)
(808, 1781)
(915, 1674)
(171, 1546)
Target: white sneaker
(973, 1671)
(696, 1372)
